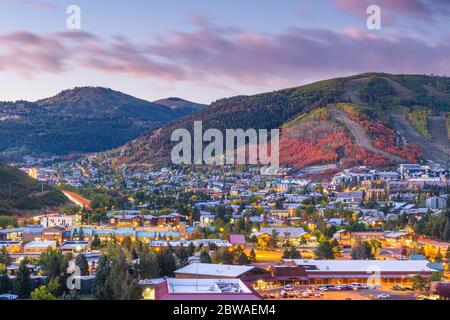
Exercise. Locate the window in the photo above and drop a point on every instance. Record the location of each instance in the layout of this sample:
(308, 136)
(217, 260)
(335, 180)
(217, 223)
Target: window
(149, 294)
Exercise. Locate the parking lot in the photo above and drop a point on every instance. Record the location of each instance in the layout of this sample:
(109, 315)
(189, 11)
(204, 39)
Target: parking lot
(312, 293)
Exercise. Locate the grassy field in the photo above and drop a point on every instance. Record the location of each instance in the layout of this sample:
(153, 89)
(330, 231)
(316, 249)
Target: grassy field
(418, 120)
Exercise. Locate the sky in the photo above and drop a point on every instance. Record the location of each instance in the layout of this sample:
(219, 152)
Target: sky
(204, 50)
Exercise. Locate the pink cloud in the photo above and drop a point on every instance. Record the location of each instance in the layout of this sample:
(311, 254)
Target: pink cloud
(217, 55)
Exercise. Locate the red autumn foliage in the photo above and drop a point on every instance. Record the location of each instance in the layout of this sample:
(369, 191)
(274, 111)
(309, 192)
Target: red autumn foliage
(384, 138)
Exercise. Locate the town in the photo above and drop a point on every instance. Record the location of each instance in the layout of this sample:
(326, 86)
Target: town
(230, 233)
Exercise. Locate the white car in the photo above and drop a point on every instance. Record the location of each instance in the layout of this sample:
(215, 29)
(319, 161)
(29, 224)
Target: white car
(289, 287)
(383, 296)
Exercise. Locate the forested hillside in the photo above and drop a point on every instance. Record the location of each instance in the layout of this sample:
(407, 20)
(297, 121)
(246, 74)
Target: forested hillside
(19, 192)
(313, 136)
(87, 119)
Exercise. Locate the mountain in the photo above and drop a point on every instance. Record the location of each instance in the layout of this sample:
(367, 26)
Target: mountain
(19, 192)
(374, 119)
(183, 107)
(86, 119)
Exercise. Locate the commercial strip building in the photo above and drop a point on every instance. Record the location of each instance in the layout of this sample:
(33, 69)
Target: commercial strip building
(313, 272)
(362, 271)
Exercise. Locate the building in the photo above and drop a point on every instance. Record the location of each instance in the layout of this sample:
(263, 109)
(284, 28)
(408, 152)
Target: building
(140, 220)
(58, 220)
(436, 202)
(220, 271)
(350, 197)
(13, 234)
(74, 246)
(286, 235)
(53, 233)
(380, 272)
(351, 238)
(238, 240)
(186, 243)
(11, 246)
(39, 246)
(373, 194)
(197, 289)
(412, 170)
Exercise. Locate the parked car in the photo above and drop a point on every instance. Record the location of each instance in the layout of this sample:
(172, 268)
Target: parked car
(409, 288)
(398, 287)
(383, 296)
(289, 287)
(305, 294)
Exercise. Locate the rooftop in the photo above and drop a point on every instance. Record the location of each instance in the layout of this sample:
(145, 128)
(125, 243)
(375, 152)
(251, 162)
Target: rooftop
(219, 270)
(214, 286)
(366, 265)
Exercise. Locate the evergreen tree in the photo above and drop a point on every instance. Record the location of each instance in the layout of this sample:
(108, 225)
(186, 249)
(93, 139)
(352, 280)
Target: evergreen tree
(95, 242)
(324, 251)
(5, 258)
(22, 282)
(191, 249)
(362, 251)
(243, 259)
(183, 255)
(167, 263)
(252, 256)
(102, 272)
(205, 257)
(148, 266)
(438, 256)
(82, 263)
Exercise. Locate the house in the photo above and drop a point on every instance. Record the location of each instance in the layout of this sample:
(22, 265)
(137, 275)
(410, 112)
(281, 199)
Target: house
(351, 238)
(197, 289)
(349, 197)
(238, 240)
(206, 218)
(282, 213)
(397, 239)
(285, 235)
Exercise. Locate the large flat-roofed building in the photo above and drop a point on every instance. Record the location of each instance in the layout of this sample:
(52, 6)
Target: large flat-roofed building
(348, 271)
(197, 289)
(39, 246)
(218, 271)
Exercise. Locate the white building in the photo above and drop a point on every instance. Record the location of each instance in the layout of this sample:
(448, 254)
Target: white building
(58, 220)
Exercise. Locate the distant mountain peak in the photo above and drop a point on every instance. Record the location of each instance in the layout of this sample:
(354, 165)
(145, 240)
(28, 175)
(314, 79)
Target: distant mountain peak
(179, 103)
